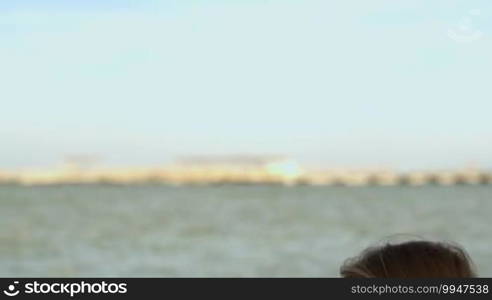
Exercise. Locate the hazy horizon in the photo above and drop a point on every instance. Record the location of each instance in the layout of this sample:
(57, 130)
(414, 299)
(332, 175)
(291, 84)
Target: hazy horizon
(356, 84)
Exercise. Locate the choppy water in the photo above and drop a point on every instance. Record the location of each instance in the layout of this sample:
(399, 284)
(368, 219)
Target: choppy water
(226, 231)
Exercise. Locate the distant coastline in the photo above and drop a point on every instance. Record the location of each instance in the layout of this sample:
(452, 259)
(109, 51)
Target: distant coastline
(280, 172)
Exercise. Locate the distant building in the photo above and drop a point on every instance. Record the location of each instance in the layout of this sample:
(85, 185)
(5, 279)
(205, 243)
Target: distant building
(251, 168)
(228, 160)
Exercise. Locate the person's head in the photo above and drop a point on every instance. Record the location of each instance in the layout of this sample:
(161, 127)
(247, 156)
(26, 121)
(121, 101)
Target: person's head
(411, 259)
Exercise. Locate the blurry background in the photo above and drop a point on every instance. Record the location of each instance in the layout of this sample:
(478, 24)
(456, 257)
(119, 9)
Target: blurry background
(239, 138)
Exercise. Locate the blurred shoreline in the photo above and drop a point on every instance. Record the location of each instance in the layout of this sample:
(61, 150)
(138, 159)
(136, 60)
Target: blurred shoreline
(257, 171)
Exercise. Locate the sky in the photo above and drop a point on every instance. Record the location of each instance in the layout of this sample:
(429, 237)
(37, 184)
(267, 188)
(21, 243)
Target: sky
(401, 84)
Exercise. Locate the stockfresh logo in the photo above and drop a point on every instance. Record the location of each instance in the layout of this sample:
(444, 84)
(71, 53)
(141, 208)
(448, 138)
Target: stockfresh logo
(12, 290)
(466, 30)
(65, 288)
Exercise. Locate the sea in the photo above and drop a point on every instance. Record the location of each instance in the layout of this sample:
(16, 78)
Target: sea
(227, 230)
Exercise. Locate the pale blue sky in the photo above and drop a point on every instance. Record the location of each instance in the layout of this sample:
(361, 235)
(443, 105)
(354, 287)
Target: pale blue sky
(331, 83)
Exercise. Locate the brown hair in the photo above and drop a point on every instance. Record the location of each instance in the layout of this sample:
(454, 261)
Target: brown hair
(411, 259)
